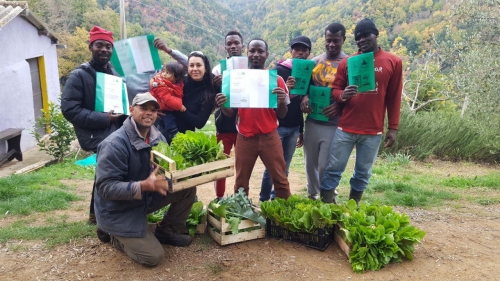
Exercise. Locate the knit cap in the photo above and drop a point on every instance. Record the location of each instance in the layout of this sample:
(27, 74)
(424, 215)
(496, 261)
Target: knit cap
(364, 26)
(99, 33)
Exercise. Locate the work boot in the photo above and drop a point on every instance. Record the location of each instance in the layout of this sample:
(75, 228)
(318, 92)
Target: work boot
(327, 196)
(103, 236)
(356, 195)
(167, 234)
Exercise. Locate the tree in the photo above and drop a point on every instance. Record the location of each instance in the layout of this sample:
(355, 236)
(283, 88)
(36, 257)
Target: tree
(426, 87)
(477, 69)
(76, 51)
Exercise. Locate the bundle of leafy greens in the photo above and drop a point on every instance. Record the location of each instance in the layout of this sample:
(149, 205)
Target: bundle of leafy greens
(299, 214)
(191, 149)
(377, 235)
(166, 150)
(195, 216)
(157, 215)
(234, 208)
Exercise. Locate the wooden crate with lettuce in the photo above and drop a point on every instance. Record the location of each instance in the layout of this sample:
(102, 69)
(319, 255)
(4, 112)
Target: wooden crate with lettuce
(234, 219)
(192, 159)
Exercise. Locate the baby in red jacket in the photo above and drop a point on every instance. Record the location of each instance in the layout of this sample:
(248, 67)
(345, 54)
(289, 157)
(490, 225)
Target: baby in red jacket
(166, 87)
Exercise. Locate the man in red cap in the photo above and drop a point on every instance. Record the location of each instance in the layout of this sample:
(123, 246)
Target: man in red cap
(78, 101)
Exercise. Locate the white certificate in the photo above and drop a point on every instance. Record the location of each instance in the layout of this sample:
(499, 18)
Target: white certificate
(111, 94)
(237, 63)
(250, 88)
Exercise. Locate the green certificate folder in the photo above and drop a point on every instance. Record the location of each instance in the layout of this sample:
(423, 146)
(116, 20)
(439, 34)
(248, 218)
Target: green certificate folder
(361, 72)
(301, 71)
(319, 98)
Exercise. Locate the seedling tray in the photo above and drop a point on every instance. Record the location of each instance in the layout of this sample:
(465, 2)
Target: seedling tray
(319, 240)
(193, 176)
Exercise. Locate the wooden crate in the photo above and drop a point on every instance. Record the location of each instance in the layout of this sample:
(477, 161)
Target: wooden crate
(196, 175)
(222, 233)
(339, 237)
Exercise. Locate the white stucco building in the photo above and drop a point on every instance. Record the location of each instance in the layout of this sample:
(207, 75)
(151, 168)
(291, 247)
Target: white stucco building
(29, 76)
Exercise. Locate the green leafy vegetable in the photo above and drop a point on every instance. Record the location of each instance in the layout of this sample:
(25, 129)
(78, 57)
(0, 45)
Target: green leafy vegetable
(377, 235)
(157, 215)
(234, 208)
(190, 149)
(195, 216)
(300, 214)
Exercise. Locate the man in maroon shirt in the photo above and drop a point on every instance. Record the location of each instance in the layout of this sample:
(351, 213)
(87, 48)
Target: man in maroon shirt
(362, 121)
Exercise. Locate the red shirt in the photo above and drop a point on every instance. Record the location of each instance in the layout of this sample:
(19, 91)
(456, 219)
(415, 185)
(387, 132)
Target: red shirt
(364, 113)
(254, 121)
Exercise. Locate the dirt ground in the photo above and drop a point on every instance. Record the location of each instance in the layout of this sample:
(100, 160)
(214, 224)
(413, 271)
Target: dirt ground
(462, 243)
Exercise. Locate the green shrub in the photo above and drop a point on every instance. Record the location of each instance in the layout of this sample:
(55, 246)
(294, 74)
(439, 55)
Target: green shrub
(447, 136)
(61, 132)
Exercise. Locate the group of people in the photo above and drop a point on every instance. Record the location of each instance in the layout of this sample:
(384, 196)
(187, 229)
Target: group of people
(127, 187)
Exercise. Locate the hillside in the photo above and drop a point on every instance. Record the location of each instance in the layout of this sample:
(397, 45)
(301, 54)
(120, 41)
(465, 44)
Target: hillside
(187, 25)
(278, 21)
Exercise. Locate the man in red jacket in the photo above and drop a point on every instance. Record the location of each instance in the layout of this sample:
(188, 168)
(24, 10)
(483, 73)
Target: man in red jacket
(362, 121)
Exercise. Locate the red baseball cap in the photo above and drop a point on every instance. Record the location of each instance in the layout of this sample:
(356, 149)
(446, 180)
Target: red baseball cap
(98, 33)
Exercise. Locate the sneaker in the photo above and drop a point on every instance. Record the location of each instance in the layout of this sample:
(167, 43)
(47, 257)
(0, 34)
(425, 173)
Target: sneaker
(313, 197)
(103, 236)
(92, 220)
(167, 234)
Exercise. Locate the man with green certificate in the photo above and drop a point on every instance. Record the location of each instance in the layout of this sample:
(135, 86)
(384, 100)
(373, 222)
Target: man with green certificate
(322, 120)
(257, 129)
(361, 124)
(78, 101)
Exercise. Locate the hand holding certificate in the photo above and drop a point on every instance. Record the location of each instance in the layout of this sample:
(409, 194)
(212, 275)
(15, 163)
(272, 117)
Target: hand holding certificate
(319, 98)
(361, 72)
(111, 94)
(135, 55)
(250, 88)
(301, 71)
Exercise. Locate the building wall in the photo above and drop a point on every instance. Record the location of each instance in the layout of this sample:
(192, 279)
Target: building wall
(20, 41)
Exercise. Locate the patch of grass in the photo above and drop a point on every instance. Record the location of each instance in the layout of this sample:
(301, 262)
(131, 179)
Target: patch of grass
(488, 201)
(396, 159)
(40, 191)
(491, 181)
(30, 201)
(53, 235)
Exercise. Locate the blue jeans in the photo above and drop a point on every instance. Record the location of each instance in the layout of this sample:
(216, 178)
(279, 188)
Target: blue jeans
(288, 137)
(366, 152)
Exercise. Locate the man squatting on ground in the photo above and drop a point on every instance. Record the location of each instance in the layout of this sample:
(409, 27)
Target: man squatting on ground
(78, 99)
(128, 188)
(257, 134)
(362, 121)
